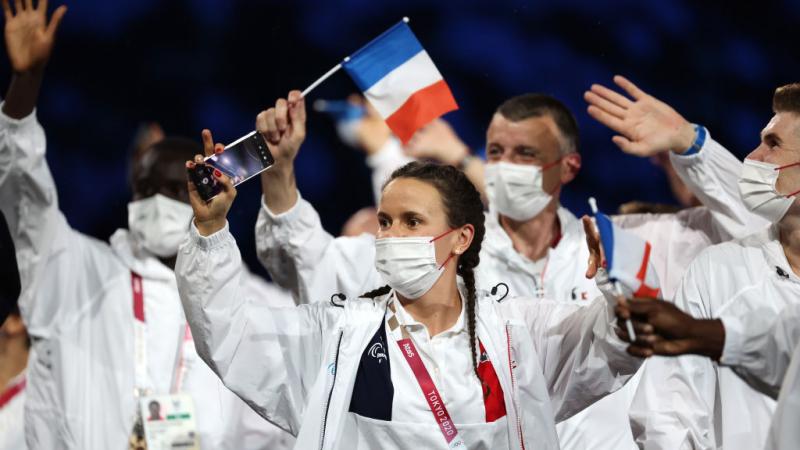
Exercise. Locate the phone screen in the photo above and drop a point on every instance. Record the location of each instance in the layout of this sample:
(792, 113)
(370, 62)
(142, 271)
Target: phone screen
(243, 159)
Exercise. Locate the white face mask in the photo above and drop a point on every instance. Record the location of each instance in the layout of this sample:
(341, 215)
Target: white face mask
(408, 264)
(159, 224)
(515, 190)
(758, 192)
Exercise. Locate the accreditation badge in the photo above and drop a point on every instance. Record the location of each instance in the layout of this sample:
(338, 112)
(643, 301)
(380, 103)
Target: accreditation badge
(169, 422)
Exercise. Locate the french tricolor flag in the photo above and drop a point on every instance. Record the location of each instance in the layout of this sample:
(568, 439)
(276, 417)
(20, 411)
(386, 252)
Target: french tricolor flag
(400, 80)
(627, 258)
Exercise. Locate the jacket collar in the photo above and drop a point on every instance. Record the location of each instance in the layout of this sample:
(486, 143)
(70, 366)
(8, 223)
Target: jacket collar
(498, 243)
(769, 241)
(135, 259)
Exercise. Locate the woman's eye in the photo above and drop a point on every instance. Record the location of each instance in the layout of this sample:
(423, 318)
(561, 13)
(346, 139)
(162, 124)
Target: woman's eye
(413, 222)
(383, 223)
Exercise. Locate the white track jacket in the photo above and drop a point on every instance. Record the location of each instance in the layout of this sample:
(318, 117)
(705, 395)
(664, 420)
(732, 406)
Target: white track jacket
(296, 366)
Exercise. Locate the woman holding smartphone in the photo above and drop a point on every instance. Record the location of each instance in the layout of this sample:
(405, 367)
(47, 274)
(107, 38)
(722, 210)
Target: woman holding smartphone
(419, 363)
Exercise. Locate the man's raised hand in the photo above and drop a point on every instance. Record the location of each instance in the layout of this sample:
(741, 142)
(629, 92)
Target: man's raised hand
(645, 124)
(29, 36)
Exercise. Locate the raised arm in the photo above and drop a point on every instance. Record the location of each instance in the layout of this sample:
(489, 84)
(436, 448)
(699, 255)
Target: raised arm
(646, 127)
(24, 175)
(291, 243)
(268, 356)
(45, 244)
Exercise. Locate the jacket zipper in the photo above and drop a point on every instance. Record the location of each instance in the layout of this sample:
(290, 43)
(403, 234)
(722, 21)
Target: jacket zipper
(330, 392)
(514, 388)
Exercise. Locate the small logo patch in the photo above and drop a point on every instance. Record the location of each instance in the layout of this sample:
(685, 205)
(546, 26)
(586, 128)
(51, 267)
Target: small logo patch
(377, 351)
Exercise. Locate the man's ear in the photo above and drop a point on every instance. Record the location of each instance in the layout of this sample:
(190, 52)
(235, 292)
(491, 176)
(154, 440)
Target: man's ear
(570, 166)
(465, 236)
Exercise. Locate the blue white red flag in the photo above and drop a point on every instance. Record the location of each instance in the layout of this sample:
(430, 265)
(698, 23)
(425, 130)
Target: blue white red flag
(627, 258)
(400, 80)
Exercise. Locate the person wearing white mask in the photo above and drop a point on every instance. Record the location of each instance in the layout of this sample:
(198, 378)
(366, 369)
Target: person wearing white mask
(696, 402)
(423, 362)
(107, 329)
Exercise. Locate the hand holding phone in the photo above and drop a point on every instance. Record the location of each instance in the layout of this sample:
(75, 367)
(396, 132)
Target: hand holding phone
(202, 175)
(210, 214)
(241, 160)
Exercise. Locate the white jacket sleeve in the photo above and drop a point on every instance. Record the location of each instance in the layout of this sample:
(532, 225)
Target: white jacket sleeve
(783, 431)
(385, 161)
(673, 407)
(579, 352)
(60, 269)
(759, 346)
(712, 174)
(270, 357)
(305, 259)
(27, 192)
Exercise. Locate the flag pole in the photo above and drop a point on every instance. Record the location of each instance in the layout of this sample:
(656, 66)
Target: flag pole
(593, 205)
(617, 286)
(331, 72)
(628, 323)
(323, 78)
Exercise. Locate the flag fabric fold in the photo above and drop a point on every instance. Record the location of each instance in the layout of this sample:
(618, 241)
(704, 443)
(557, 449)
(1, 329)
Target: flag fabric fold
(399, 79)
(628, 258)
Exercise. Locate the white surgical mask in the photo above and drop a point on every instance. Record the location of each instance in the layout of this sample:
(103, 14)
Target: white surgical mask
(408, 264)
(758, 192)
(159, 224)
(515, 190)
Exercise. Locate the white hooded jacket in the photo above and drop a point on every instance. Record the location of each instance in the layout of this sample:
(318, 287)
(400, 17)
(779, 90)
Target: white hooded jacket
(296, 366)
(77, 304)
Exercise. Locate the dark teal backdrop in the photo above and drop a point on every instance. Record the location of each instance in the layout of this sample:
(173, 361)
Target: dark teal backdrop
(203, 63)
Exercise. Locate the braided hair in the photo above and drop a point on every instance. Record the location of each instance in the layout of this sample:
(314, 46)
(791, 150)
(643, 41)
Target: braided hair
(462, 205)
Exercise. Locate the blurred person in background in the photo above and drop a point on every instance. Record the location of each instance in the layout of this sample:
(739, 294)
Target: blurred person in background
(105, 319)
(14, 347)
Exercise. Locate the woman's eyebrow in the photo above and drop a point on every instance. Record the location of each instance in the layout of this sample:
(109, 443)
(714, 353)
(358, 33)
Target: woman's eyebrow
(411, 214)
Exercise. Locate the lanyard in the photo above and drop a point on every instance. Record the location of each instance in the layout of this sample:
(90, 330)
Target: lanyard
(12, 392)
(426, 384)
(142, 387)
(539, 287)
(139, 337)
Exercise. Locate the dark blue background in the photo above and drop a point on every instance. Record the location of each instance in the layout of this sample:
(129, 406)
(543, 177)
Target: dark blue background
(216, 64)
